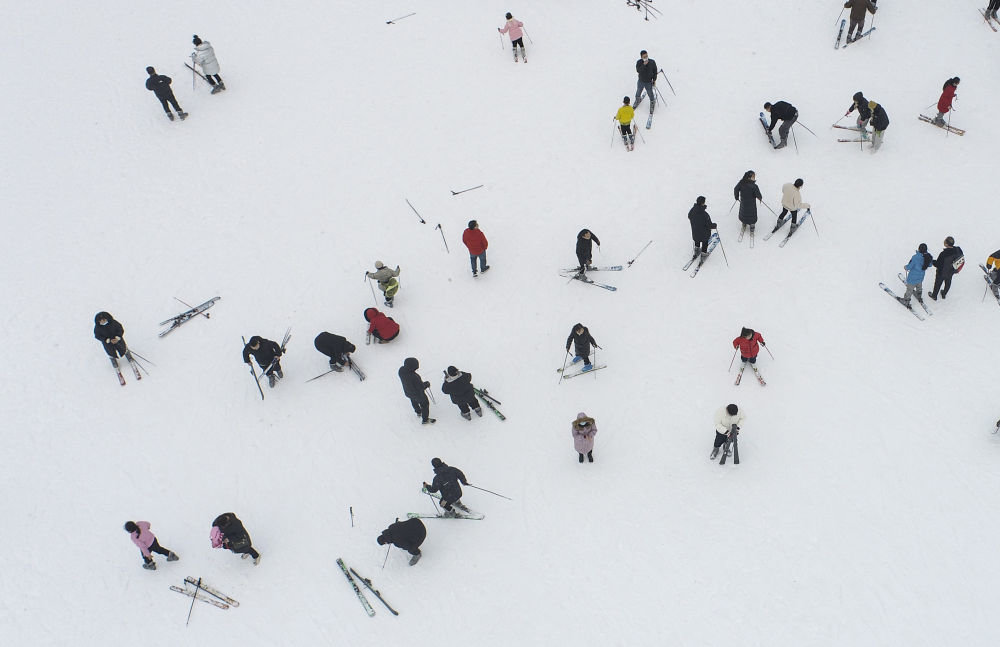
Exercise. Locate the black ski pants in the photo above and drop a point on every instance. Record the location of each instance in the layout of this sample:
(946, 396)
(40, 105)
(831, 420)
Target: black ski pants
(942, 281)
(465, 405)
(993, 6)
(703, 244)
(115, 350)
(155, 547)
(784, 212)
(211, 81)
(171, 100)
(421, 405)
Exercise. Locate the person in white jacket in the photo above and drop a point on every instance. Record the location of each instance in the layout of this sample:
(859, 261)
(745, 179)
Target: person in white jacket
(791, 201)
(727, 424)
(204, 55)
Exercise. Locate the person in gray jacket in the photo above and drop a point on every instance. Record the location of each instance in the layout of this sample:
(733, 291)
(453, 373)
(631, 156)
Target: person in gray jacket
(387, 281)
(204, 55)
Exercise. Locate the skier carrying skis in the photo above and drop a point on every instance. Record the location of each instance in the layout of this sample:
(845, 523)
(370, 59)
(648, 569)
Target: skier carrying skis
(993, 271)
(581, 339)
(267, 354)
(786, 112)
(407, 535)
(159, 84)
(747, 191)
(448, 481)
(458, 386)
(475, 240)
(915, 270)
(584, 430)
(515, 29)
(727, 426)
(948, 263)
(337, 348)
(791, 202)
(585, 249)
(228, 532)
(204, 55)
(414, 387)
(880, 121)
(387, 281)
(144, 538)
(383, 328)
(749, 343)
(645, 67)
(864, 113)
(858, 10)
(112, 335)
(701, 226)
(947, 97)
(624, 117)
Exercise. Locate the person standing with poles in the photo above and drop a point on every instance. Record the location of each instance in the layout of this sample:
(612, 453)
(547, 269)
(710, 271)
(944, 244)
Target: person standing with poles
(448, 481)
(791, 202)
(387, 279)
(475, 240)
(947, 98)
(858, 8)
(515, 29)
(748, 194)
(787, 114)
(159, 85)
(144, 538)
(864, 113)
(646, 68)
(268, 354)
(204, 55)
(948, 263)
(415, 388)
(624, 117)
(915, 271)
(581, 340)
(585, 249)
(727, 424)
(701, 227)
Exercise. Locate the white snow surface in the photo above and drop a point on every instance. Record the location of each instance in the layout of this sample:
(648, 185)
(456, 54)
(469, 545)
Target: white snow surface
(864, 509)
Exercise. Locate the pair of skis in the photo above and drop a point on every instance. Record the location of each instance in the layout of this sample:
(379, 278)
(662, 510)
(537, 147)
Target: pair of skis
(567, 376)
(490, 402)
(951, 129)
(215, 597)
(862, 133)
(132, 362)
(350, 363)
(899, 299)
(463, 513)
(791, 232)
(187, 315)
(739, 375)
(713, 242)
(770, 135)
(350, 574)
(743, 231)
(731, 442)
(856, 38)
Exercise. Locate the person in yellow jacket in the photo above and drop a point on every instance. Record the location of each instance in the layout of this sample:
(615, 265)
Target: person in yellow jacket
(624, 117)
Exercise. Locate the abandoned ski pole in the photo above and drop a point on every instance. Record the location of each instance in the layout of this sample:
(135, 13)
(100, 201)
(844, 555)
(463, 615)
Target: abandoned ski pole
(193, 598)
(443, 239)
(466, 190)
(393, 21)
(422, 221)
(639, 254)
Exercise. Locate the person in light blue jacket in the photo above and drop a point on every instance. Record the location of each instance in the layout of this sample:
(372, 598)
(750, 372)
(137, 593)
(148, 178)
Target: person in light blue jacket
(915, 271)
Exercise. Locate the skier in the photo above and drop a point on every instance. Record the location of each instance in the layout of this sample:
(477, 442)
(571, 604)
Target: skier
(746, 191)
(581, 339)
(992, 8)
(584, 249)
(701, 226)
(228, 532)
(858, 9)
(993, 269)
(414, 388)
(727, 426)
(407, 535)
(387, 281)
(143, 537)
(458, 386)
(645, 67)
(159, 84)
(515, 29)
(864, 113)
(749, 343)
(204, 55)
(112, 335)
(448, 481)
(584, 430)
(337, 348)
(791, 202)
(915, 270)
(788, 115)
(383, 328)
(948, 263)
(624, 116)
(947, 97)
(476, 241)
(267, 354)
(880, 121)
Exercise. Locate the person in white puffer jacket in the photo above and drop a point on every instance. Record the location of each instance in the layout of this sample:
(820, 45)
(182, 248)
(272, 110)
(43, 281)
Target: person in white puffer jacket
(791, 201)
(727, 422)
(204, 55)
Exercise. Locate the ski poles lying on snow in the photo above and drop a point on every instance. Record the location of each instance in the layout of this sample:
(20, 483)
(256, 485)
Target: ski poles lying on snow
(639, 254)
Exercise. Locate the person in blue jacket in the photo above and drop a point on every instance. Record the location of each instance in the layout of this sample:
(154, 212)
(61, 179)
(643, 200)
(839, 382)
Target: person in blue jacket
(915, 270)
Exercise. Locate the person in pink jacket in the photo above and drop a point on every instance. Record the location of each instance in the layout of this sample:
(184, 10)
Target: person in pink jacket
(584, 430)
(143, 537)
(515, 29)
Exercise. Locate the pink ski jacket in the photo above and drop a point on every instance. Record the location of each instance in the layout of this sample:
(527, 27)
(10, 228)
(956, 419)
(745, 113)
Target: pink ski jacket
(514, 27)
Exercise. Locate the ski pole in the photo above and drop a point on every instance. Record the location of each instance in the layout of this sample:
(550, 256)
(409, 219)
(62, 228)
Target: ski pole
(813, 219)
(443, 238)
(722, 247)
(841, 14)
(732, 360)
(192, 75)
(769, 208)
(636, 129)
(947, 131)
(614, 129)
(500, 34)
(490, 491)
(533, 42)
(731, 208)
(768, 350)
(430, 392)
(562, 371)
(436, 509)
(807, 128)
(193, 598)
(386, 556)
(253, 372)
(422, 221)
(668, 82)
(839, 120)
(375, 298)
(352, 515)
(639, 254)
(796, 142)
(203, 314)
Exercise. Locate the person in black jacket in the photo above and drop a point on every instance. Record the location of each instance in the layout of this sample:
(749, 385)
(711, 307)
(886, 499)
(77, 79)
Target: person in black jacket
(948, 262)
(446, 481)
(458, 386)
(111, 334)
(267, 353)
(880, 121)
(228, 532)
(337, 348)
(585, 249)
(407, 535)
(414, 388)
(159, 84)
(786, 112)
(645, 67)
(864, 112)
(581, 339)
(701, 226)
(747, 192)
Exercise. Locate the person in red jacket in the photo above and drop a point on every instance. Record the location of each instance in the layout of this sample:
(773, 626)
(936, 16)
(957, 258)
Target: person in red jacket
(749, 343)
(947, 96)
(384, 328)
(476, 241)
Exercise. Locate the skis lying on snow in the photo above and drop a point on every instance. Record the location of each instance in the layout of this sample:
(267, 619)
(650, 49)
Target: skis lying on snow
(213, 597)
(951, 129)
(368, 584)
(920, 300)
(490, 402)
(187, 315)
(580, 276)
(213, 591)
(899, 300)
(361, 596)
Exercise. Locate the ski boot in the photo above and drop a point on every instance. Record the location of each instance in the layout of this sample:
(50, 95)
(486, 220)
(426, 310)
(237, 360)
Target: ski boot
(581, 458)
(450, 514)
(939, 120)
(271, 380)
(170, 116)
(216, 89)
(415, 559)
(714, 454)
(587, 367)
(222, 86)
(256, 560)
(781, 144)
(279, 373)
(485, 269)
(183, 115)
(590, 456)
(576, 359)
(172, 557)
(475, 273)
(467, 415)
(479, 411)
(429, 421)
(149, 566)
(793, 227)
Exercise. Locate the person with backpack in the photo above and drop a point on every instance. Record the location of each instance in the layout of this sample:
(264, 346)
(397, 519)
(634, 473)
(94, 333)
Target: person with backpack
(947, 98)
(993, 272)
(228, 532)
(475, 240)
(748, 194)
(388, 281)
(727, 425)
(915, 270)
(159, 85)
(515, 30)
(948, 263)
(458, 386)
(880, 121)
(584, 430)
(144, 538)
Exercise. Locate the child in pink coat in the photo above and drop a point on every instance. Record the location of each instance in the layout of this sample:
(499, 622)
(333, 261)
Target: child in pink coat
(146, 541)
(584, 430)
(515, 29)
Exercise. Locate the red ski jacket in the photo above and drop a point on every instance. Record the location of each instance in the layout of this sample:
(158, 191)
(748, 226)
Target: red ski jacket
(475, 240)
(381, 326)
(944, 103)
(749, 347)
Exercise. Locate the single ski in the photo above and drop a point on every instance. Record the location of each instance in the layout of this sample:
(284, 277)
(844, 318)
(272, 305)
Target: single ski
(781, 223)
(736, 449)
(854, 128)
(581, 372)
(357, 370)
(256, 380)
(118, 370)
(739, 374)
(486, 394)
(857, 38)
(208, 589)
(602, 268)
(851, 140)
(713, 242)
(187, 315)
(188, 66)
(583, 279)
(920, 299)
(760, 378)
(987, 19)
(361, 596)
(843, 23)
(796, 228)
(770, 135)
(134, 365)
(899, 300)
(194, 594)
(951, 129)
(688, 265)
(368, 584)
(485, 399)
(419, 515)
(649, 122)
(743, 231)
(284, 342)
(726, 448)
